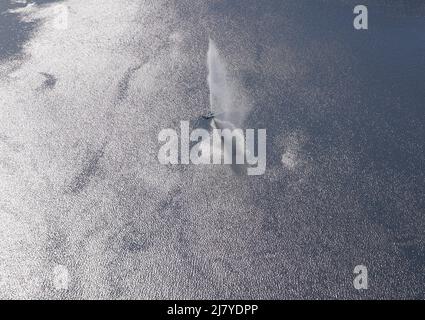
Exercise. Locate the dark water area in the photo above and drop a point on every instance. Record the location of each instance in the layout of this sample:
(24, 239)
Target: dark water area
(14, 32)
(359, 98)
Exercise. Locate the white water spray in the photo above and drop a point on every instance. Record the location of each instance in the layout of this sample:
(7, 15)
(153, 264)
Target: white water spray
(226, 100)
(220, 96)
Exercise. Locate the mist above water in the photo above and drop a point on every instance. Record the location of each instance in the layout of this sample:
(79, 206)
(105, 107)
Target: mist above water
(225, 99)
(220, 97)
(227, 103)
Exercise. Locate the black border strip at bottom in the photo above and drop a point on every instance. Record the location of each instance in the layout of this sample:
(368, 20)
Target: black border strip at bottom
(204, 309)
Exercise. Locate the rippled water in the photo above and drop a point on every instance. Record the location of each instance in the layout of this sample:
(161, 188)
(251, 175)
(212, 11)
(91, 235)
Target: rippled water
(83, 192)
